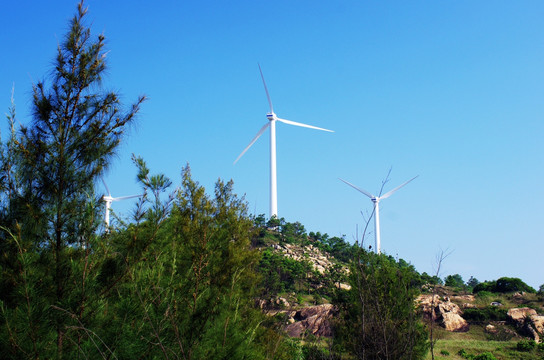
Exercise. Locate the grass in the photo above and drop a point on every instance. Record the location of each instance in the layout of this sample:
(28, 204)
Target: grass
(502, 350)
(475, 342)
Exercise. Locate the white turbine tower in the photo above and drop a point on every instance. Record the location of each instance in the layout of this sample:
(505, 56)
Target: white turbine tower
(376, 201)
(108, 199)
(272, 118)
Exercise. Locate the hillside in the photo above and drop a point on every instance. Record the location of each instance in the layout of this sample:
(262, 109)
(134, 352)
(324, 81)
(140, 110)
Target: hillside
(303, 274)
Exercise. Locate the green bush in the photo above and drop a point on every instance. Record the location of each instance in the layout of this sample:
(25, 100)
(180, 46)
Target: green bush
(485, 356)
(503, 285)
(526, 345)
(484, 294)
(464, 354)
(445, 352)
(489, 313)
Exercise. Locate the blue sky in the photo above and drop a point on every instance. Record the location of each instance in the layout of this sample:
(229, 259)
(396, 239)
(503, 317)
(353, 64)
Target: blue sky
(450, 91)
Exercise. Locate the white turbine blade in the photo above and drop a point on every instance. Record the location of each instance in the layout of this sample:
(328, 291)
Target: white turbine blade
(302, 125)
(395, 189)
(266, 89)
(106, 186)
(356, 188)
(126, 197)
(252, 141)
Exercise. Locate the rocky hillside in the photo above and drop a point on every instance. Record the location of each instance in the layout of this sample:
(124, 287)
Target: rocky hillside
(302, 272)
(504, 316)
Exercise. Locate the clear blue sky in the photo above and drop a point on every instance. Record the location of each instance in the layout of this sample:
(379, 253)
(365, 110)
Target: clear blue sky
(451, 91)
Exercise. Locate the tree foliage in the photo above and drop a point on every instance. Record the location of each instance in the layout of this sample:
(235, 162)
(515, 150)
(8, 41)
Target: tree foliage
(455, 281)
(504, 285)
(50, 213)
(379, 319)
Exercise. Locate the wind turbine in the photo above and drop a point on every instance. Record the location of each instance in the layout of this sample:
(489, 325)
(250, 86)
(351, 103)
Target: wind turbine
(108, 199)
(376, 200)
(272, 118)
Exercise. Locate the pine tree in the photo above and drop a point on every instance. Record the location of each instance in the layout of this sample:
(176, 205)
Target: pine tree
(379, 320)
(75, 130)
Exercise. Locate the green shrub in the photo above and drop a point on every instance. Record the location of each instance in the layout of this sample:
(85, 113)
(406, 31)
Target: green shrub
(464, 354)
(506, 284)
(484, 294)
(487, 286)
(445, 352)
(503, 285)
(489, 313)
(485, 356)
(526, 345)
(540, 347)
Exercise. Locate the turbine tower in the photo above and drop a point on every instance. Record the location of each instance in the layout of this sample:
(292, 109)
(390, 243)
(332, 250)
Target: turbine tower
(376, 201)
(272, 118)
(108, 199)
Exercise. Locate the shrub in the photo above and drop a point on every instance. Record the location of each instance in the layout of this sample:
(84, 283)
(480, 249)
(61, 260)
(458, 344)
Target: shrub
(506, 284)
(503, 285)
(488, 286)
(526, 345)
(485, 314)
(445, 352)
(485, 356)
(464, 354)
(484, 294)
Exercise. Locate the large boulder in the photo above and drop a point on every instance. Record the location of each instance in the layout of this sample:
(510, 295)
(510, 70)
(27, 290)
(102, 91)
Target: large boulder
(527, 321)
(312, 319)
(518, 315)
(442, 310)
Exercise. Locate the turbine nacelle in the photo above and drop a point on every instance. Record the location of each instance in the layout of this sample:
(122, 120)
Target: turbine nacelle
(271, 116)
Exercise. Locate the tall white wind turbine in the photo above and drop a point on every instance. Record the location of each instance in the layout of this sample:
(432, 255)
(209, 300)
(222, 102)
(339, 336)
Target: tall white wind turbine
(376, 200)
(108, 199)
(272, 118)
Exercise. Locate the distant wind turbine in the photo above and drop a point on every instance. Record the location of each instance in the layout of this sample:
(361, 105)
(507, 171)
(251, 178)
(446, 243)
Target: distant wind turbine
(376, 201)
(272, 118)
(108, 199)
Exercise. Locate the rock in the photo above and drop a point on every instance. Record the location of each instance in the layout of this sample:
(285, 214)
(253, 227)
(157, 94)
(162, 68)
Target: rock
(445, 312)
(491, 329)
(538, 322)
(461, 298)
(454, 322)
(527, 321)
(282, 302)
(312, 319)
(496, 303)
(518, 315)
(343, 286)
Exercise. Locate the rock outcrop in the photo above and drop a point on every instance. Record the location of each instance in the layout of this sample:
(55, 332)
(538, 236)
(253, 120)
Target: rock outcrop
(313, 319)
(320, 261)
(527, 321)
(442, 310)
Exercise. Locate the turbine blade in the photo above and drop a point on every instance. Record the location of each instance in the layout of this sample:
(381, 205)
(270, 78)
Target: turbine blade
(252, 141)
(302, 125)
(106, 186)
(266, 89)
(395, 189)
(126, 197)
(356, 188)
